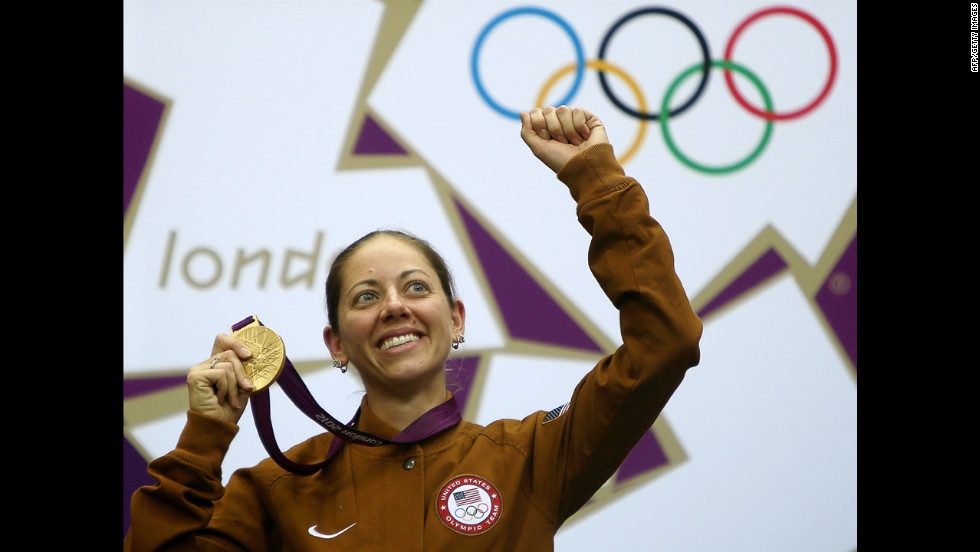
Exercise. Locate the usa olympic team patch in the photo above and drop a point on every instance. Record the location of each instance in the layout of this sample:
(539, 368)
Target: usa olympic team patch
(469, 505)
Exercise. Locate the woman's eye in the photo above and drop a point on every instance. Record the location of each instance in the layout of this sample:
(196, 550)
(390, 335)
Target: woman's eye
(417, 287)
(365, 297)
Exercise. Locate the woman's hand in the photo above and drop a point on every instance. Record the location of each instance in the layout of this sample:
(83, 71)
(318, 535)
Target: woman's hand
(555, 135)
(219, 388)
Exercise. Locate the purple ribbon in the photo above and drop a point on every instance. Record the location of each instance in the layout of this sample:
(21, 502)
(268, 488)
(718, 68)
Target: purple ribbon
(442, 417)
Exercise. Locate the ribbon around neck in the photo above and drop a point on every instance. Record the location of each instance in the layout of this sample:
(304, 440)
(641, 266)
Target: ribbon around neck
(437, 419)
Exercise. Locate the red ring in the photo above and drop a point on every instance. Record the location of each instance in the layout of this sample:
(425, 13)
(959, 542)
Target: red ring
(772, 116)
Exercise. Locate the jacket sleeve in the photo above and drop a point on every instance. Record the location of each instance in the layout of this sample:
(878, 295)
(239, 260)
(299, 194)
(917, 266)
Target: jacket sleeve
(620, 398)
(172, 514)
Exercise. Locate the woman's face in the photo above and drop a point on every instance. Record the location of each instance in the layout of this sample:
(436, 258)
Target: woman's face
(396, 324)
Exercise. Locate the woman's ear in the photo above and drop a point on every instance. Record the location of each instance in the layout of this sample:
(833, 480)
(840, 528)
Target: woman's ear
(459, 318)
(332, 340)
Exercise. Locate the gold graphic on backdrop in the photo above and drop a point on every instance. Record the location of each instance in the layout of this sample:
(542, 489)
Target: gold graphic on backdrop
(268, 355)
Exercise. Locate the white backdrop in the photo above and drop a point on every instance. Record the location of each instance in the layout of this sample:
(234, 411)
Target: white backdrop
(257, 151)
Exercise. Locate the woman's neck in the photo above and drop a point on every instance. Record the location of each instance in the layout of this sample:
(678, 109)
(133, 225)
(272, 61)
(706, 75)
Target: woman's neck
(400, 411)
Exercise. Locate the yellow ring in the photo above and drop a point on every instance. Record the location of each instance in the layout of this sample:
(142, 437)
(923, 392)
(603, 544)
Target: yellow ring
(604, 66)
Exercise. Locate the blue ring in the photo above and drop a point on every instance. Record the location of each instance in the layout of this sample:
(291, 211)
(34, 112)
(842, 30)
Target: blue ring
(474, 59)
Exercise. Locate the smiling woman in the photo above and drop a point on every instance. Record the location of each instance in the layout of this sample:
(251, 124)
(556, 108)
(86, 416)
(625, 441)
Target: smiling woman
(435, 481)
(393, 314)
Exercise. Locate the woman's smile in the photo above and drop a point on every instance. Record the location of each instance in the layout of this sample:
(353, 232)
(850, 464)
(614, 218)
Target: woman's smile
(396, 343)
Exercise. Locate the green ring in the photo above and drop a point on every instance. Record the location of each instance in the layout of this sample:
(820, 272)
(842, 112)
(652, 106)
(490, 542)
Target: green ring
(677, 152)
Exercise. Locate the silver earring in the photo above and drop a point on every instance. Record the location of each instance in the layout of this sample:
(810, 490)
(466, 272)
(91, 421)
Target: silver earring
(343, 367)
(458, 341)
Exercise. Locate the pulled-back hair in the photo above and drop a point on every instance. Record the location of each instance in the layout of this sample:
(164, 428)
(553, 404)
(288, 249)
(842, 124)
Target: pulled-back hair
(334, 277)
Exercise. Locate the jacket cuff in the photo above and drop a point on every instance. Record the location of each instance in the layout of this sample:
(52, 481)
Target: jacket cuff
(205, 441)
(592, 172)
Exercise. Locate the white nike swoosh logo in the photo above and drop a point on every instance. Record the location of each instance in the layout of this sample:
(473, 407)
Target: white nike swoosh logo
(316, 533)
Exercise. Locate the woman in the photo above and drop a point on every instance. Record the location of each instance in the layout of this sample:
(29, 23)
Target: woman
(393, 314)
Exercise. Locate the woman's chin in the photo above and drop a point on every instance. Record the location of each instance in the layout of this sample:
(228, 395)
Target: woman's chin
(406, 376)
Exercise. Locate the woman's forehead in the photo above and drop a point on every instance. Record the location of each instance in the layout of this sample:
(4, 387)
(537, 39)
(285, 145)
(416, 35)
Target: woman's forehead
(386, 255)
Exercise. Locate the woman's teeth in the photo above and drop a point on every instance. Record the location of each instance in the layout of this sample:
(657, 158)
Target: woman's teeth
(400, 340)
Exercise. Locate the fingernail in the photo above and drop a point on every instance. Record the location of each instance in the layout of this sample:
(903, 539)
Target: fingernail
(246, 352)
(248, 384)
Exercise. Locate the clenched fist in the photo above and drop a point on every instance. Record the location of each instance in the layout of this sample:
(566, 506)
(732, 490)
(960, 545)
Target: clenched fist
(556, 134)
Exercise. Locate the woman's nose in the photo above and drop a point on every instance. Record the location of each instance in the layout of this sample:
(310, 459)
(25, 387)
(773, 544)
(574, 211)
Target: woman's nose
(393, 307)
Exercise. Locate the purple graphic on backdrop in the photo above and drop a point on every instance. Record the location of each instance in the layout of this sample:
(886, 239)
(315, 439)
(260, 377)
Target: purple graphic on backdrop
(837, 300)
(375, 140)
(142, 116)
(141, 386)
(461, 373)
(646, 456)
(768, 265)
(528, 310)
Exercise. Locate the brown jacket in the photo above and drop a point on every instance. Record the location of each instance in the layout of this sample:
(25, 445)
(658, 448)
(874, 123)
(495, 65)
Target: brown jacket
(505, 487)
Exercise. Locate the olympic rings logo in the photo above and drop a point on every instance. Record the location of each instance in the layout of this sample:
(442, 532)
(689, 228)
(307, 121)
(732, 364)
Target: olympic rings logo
(471, 512)
(601, 65)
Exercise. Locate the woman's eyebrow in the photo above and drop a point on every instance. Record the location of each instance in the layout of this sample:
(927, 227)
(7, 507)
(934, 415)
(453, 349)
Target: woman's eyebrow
(411, 271)
(363, 283)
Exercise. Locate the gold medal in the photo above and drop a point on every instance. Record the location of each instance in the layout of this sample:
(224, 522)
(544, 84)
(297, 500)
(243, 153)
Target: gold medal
(268, 355)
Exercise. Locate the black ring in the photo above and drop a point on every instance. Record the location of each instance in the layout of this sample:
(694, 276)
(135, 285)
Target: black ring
(704, 50)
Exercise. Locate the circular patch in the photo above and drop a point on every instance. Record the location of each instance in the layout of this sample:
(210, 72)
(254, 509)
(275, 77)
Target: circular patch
(469, 505)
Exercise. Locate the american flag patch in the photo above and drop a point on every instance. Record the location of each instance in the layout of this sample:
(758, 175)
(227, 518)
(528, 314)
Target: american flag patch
(469, 496)
(555, 413)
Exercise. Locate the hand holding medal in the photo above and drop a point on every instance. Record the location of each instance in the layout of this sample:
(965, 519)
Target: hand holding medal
(243, 363)
(219, 386)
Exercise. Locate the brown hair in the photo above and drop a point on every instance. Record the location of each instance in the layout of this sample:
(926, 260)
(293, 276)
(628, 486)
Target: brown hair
(337, 267)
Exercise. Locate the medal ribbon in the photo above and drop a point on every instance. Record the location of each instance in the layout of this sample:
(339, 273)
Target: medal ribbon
(442, 417)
